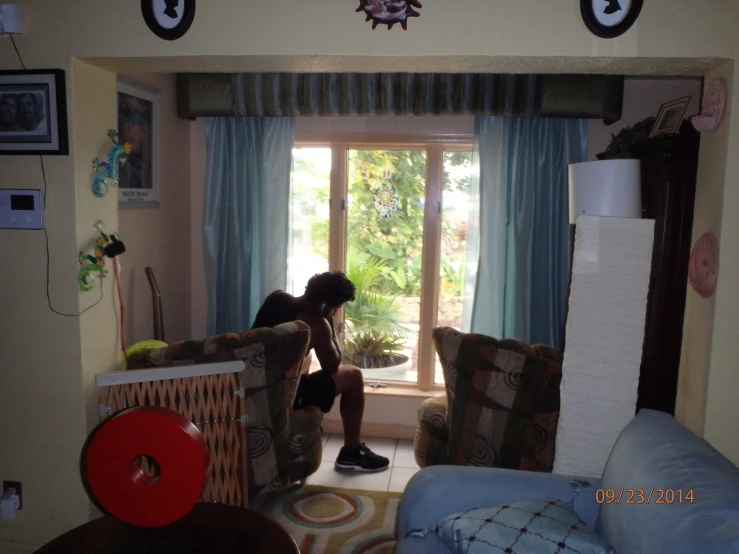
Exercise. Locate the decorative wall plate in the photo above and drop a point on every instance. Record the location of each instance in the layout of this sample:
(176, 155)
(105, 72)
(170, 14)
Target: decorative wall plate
(610, 18)
(386, 200)
(712, 111)
(703, 267)
(389, 12)
(168, 19)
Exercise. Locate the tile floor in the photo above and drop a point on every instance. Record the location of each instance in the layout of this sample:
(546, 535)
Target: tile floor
(402, 466)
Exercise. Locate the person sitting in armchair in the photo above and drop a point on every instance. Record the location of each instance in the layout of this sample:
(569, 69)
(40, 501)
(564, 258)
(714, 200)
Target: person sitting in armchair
(324, 294)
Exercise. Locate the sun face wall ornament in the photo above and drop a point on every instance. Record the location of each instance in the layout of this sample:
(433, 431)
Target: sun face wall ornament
(610, 18)
(386, 200)
(389, 12)
(168, 19)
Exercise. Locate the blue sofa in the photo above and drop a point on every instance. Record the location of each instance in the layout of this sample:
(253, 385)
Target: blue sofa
(652, 452)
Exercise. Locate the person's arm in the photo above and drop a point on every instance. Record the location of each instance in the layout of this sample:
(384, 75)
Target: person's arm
(334, 338)
(325, 345)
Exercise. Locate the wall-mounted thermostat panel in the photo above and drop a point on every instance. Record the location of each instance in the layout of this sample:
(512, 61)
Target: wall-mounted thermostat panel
(21, 209)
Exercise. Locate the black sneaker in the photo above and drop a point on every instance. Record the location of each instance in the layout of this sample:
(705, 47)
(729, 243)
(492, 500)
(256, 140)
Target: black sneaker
(362, 459)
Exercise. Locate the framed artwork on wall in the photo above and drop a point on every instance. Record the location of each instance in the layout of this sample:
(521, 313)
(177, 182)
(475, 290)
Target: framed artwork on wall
(139, 123)
(670, 117)
(33, 112)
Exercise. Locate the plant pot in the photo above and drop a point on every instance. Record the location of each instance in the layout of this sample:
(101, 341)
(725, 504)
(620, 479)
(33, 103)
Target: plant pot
(395, 370)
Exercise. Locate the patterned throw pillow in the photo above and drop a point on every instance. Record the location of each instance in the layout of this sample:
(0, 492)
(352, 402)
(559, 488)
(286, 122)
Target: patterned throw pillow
(534, 527)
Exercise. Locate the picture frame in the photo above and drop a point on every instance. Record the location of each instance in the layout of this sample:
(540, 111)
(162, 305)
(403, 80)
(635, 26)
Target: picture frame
(168, 19)
(670, 117)
(33, 112)
(139, 122)
(610, 18)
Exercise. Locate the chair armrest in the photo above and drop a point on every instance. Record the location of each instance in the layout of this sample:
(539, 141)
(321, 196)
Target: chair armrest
(436, 492)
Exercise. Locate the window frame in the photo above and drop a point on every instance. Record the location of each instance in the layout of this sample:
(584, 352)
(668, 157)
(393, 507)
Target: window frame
(435, 145)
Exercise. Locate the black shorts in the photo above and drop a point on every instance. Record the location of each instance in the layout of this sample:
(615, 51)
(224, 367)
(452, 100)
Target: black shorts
(316, 389)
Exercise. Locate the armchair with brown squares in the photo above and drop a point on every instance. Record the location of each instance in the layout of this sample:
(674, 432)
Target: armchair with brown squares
(238, 388)
(501, 407)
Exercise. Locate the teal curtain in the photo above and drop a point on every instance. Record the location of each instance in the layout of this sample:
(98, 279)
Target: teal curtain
(518, 265)
(245, 216)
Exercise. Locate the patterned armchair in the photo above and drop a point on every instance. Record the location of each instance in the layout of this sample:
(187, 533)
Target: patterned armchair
(283, 445)
(501, 408)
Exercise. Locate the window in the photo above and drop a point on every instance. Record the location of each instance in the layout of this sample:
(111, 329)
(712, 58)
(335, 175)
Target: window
(393, 215)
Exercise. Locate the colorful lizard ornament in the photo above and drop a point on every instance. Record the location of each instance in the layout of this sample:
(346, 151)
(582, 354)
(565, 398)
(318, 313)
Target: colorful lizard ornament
(109, 174)
(95, 264)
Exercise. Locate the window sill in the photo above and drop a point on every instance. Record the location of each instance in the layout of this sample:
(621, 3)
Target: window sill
(404, 392)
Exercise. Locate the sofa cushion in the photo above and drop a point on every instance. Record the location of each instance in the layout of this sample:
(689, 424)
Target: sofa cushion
(531, 527)
(503, 400)
(694, 502)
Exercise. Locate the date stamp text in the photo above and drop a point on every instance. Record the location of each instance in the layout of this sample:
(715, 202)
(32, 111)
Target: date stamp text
(644, 496)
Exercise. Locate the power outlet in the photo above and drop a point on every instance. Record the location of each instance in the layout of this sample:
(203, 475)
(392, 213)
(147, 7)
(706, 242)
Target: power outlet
(18, 490)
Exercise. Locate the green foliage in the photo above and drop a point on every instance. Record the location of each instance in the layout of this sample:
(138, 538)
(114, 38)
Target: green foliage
(398, 239)
(310, 191)
(622, 143)
(452, 279)
(373, 320)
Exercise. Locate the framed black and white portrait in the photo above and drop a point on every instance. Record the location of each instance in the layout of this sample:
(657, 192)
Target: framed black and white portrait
(33, 112)
(610, 18)
(168, 19)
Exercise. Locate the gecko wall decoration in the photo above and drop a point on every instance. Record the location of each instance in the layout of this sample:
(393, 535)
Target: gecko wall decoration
(109, 175)
(106, 246)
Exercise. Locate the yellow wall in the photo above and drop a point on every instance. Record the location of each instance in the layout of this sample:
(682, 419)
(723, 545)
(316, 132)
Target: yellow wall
(698, 331)
(160, 236)
(47, 362)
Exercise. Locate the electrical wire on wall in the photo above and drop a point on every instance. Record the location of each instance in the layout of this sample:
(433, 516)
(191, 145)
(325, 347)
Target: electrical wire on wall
(117, 271)
(46, 234)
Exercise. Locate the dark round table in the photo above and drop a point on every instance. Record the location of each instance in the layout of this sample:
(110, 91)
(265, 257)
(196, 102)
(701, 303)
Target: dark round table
(207, 529)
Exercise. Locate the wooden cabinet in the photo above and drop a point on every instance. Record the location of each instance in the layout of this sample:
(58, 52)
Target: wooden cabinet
(669, 166)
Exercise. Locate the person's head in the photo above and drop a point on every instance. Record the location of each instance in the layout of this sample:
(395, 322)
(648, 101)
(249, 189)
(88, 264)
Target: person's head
(8, 108)
(28, 109)
(331, 288)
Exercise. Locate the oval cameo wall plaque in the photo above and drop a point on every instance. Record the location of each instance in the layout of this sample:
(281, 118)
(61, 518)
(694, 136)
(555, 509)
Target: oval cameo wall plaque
(703, 267)
(610, 18)
(712, 111)
(168, 19)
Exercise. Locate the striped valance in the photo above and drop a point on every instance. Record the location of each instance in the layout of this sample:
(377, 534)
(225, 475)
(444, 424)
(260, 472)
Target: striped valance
(363, 94)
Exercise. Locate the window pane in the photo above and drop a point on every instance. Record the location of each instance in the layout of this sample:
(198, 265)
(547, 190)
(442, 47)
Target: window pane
(309, 219)
(454, 220)
(384, 244)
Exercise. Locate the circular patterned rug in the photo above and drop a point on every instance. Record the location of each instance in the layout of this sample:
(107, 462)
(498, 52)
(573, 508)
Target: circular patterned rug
(335, 521)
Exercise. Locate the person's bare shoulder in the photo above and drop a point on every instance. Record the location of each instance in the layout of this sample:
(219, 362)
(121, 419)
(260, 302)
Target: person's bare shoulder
(312, 319)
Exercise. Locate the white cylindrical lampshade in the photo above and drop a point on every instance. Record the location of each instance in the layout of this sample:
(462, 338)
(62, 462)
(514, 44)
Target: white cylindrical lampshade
(10, 19)
(607, 188)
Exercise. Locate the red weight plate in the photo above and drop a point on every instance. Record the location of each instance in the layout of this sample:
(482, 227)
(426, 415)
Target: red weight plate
(119, 485)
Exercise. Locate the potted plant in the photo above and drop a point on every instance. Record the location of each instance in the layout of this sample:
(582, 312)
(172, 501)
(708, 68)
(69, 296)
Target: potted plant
(622, 142)
(375, 335)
